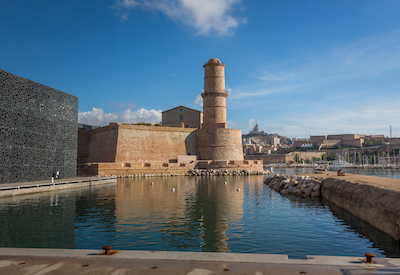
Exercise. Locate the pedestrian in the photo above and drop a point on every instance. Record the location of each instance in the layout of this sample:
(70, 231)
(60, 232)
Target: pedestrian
(57, 174)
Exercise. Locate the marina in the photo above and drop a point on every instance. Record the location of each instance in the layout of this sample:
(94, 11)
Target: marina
(376, 172)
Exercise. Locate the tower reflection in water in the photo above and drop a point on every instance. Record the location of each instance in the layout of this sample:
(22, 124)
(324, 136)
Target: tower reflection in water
(195, 217)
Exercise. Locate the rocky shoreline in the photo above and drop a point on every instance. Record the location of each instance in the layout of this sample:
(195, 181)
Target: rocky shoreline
(304, 186)
(198, 173)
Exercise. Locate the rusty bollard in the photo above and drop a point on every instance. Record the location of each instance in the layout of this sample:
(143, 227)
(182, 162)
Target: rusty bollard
(108, 251)
(369, 257)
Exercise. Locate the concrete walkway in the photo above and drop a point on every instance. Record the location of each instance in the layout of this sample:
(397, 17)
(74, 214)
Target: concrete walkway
(21, 188)
(79, 261)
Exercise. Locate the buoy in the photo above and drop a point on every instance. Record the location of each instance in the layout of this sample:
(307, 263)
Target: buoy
(225, 183)
(173, 189)
(152, 183)
(238, 189)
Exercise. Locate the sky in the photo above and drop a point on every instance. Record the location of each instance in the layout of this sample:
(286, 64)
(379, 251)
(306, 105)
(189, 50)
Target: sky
(296, 67)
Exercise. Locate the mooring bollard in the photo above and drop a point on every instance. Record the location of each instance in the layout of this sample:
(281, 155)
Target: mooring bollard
(108, 251)
(369, 257)
(51, 179)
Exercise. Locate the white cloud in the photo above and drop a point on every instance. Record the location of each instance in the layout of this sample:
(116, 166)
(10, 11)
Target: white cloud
(231, 124)
(199, 100)
(370, 59)
(251, 121)
(97, 117)
(275, 77)
(228, 90)
(206, 16)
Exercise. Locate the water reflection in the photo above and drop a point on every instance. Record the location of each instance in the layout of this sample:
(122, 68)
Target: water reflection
(380, 240)
(198, 212)
(203, 214)
(95, 217)
(39, 220)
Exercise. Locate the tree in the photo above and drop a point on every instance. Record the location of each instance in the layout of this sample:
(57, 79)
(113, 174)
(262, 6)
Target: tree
(330, 156)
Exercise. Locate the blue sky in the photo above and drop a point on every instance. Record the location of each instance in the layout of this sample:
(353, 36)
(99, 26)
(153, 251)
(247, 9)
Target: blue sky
(298, 67)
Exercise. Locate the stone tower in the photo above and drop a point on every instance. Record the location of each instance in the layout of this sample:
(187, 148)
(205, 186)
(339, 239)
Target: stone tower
(215, 141)
(214, 95)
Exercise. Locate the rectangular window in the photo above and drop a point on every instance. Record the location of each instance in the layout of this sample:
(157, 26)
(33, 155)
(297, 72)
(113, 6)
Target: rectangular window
(181, 117)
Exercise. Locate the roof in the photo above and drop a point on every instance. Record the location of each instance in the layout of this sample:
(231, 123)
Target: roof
(181, 107)
(214, 61)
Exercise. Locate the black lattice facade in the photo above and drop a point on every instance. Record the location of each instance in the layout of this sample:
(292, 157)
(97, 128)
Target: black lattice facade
(38, 130)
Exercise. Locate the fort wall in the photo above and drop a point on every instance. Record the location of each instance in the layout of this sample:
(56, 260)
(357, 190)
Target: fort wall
(135, 143)
(219, 144)
(153, 143)
(353, 142)
(100, 143)
(120, 149)
(331, 142)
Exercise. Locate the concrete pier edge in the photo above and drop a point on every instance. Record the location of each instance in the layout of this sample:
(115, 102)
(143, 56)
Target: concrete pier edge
(22, 188)
(200, 256)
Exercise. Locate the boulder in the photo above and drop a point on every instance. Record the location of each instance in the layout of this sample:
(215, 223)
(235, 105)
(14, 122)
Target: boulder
(277, 188)
(307, 191)
(297, 191)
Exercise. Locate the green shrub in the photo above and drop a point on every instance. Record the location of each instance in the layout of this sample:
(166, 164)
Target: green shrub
(140, 123)
(373, 142)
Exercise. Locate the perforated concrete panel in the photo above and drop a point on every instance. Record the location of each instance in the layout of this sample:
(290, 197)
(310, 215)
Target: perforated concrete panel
(38, 130)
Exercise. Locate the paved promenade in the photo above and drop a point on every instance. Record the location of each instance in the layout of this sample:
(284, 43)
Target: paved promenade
(79, 261)
(21, 188)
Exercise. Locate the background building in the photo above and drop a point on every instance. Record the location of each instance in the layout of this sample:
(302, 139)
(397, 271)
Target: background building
(38, 130)
(275, 141)
(182, 117)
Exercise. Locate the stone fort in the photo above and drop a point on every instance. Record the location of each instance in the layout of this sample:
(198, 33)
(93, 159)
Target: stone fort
(124, 149)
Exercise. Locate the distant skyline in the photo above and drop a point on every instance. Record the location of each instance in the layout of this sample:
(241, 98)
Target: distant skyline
(299, 68)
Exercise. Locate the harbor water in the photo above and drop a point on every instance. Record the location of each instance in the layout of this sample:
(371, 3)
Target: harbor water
(202, 214)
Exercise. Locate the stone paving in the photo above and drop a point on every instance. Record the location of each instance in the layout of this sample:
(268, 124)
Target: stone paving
(69, 261)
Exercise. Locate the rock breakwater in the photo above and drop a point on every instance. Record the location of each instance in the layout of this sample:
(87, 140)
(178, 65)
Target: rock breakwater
(225, 172)
(297, 185)
(198, 173)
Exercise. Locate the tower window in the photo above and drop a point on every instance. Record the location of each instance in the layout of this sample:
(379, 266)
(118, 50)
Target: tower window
(181, 117)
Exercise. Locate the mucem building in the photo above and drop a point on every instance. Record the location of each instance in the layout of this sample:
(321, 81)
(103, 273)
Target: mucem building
(38, 130)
